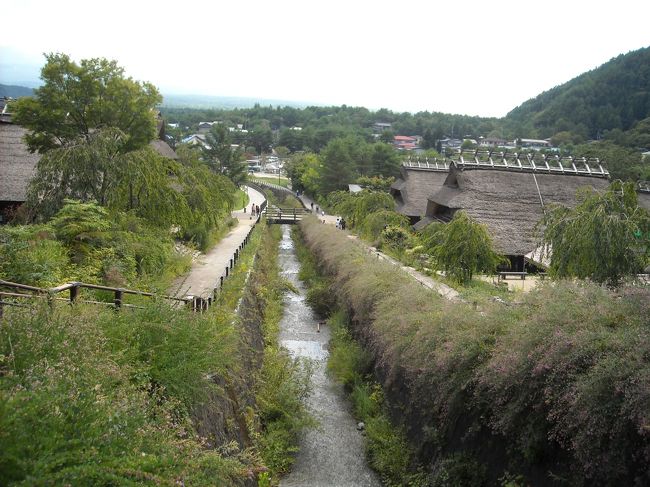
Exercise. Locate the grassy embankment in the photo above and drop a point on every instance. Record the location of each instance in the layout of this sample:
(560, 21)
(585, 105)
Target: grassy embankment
(282, 181)
(89, 396)
(241, 200)
(552, 391)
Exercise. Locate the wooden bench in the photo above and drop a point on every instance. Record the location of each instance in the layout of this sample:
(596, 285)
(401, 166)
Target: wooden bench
(505, 274)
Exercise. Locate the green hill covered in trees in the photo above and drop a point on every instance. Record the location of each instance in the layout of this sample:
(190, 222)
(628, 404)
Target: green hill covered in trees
(613, 96)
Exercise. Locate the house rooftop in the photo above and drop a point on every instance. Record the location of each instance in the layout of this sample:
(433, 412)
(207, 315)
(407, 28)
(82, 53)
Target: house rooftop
(17, 164)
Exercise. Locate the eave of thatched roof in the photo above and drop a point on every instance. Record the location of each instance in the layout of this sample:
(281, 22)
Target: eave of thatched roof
(412, 189)
(17, 164)
(509, 203)
(162, 148)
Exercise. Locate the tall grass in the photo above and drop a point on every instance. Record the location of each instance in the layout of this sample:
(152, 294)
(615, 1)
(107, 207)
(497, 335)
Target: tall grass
(98, 398)
(90, 396)
(554, 388)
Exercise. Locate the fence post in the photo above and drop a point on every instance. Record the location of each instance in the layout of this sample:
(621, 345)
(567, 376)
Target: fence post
(227, 269)
(220, 282)
(74, 293)
(231, 263)
(118, 298)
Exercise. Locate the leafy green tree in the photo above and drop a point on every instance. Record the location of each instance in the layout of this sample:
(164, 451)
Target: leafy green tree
(304, 172)
(261, 138)
(77, 99)
(604, 238)
(462, 248)
(222, 158)
(375, 183)
(337, 170)
(387, 137)
(385, 161)
(623, 163)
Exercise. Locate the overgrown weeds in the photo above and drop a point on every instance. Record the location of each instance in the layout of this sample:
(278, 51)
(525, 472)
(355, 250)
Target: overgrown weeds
(91, 396)
(553, 387)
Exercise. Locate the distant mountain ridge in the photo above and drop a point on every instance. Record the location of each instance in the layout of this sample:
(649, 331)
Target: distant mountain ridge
(15, 91)
(615, 95)
(225, 102)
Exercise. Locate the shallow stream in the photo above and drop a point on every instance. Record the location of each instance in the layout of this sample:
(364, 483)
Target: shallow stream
(332, 454)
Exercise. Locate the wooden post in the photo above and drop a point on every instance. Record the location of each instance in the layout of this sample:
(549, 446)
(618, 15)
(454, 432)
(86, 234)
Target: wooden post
(118, 298)
(74, 293)
(231, 263)
(227, 269)
(220, 282)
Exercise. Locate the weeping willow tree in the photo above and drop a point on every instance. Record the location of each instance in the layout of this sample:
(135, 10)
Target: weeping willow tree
(604, 238)
(165, 193)
(462, 248)
(96, 168)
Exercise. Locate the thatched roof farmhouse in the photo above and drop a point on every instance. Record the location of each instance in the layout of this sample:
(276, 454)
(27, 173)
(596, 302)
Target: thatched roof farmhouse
(416, 183)
(17, 167)
(508, 194)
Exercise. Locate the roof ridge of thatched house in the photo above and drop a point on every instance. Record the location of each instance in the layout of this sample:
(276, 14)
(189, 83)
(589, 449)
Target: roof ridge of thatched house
(508, 195)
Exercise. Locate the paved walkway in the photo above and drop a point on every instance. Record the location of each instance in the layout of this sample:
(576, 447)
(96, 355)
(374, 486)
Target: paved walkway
(209, 267)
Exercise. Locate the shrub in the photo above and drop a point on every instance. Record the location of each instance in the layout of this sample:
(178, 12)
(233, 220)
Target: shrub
(376, 222)
(31, 255)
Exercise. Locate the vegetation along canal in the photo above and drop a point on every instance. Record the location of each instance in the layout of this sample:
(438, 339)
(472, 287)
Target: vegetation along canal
(333, 452)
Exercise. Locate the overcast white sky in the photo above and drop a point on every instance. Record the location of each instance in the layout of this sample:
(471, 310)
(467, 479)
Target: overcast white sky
(472, 57)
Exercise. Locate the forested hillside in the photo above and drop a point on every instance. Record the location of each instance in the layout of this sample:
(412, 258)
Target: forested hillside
(615, 95)
(13, 91)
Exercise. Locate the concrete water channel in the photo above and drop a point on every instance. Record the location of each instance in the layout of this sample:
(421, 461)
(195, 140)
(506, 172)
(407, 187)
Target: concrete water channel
(331, 454)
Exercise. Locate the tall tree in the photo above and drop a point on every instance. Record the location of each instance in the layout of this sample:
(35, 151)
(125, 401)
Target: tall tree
(337, 170)
(222, 157)
(77, 99)
(604, 238)
(385, 161)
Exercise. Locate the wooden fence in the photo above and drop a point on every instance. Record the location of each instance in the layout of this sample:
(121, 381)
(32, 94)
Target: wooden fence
(15, 294)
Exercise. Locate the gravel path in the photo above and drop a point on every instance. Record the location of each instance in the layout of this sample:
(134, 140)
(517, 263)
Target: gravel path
(331, 455)
(208, 267)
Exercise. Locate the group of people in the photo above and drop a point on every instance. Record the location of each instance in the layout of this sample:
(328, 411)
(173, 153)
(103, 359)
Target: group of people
(340, 223)
(255, 209)
(318, 210)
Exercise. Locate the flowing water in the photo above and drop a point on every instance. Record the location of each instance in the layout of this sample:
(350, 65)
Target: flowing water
(332, 454)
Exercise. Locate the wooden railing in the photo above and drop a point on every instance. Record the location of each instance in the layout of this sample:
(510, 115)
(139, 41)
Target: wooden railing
(16, 293)
(24, 291)
(275, 214)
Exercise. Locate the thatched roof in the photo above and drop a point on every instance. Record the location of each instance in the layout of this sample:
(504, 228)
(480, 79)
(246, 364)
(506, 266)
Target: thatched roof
(413, 187)
(17, 165)
(162, 148)
(508, 202)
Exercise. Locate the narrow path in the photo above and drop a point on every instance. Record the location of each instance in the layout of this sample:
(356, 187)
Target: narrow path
(333, 453)
(208, 267)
